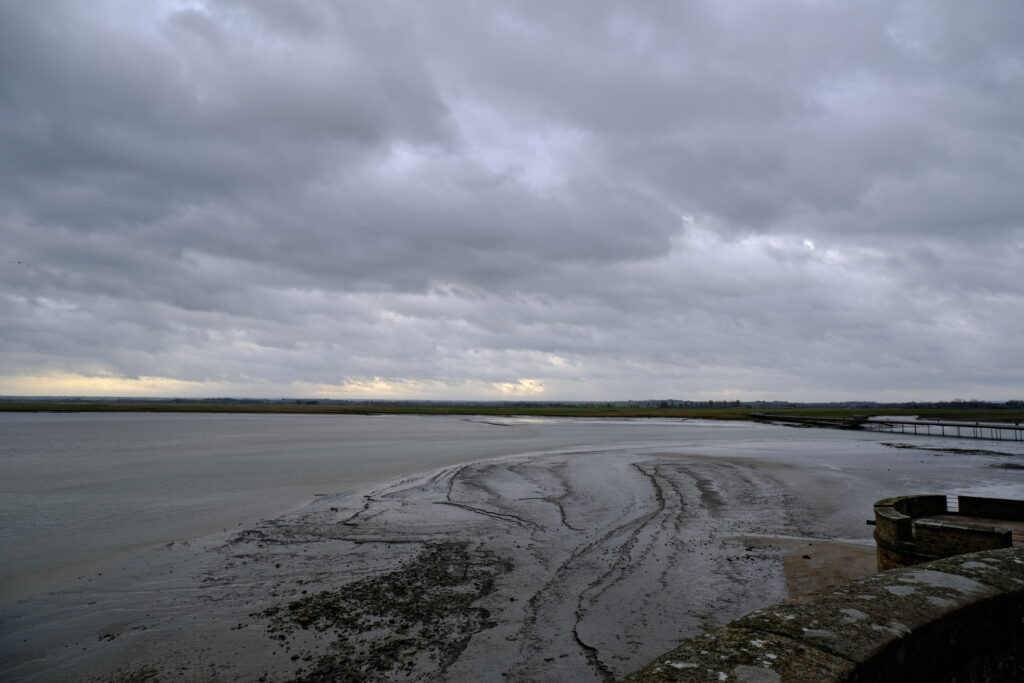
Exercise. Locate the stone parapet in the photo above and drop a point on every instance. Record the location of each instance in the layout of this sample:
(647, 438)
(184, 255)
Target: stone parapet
(906, 536)
(995, 508)
(941, 538)
(959, 618)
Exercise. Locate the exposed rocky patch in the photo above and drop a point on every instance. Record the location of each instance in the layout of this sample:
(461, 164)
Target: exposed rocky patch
(407, 624)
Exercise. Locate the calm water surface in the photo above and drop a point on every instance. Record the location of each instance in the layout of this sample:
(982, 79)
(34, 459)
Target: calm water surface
(79, 490)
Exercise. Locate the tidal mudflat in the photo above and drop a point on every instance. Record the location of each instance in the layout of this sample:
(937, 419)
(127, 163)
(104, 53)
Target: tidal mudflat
(578, 562)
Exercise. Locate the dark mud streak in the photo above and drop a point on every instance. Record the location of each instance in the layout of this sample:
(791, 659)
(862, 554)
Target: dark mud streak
(683, 519)
(624, 560)
(437, 476)
(591, 653)
(618, 569)
(672, 527)
(473, 481)
(556, 472)
(559, 507)
(378, 513)
(504, 517)
(350, 520)
(285, 539)
(764, 491)
(960, 451)
(559, 472)
(477, 488)
(485, 422)
(387, 540)
(392, 490)
(567, 568)
(451, 481)
(364, 513)
(711, 500)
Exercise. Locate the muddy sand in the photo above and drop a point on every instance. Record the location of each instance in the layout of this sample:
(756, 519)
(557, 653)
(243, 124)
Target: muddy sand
(568, 566)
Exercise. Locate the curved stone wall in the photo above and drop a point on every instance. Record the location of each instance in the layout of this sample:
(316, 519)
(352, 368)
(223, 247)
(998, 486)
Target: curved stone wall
(960, 618)
(903, 539)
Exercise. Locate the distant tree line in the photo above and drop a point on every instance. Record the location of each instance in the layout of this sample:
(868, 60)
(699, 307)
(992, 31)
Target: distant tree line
(648, 403)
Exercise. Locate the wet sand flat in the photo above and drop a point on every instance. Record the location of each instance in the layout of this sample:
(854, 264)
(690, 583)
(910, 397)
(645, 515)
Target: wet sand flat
(573, 565)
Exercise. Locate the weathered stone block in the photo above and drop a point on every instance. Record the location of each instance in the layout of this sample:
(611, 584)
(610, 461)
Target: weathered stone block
(960, 618)
(996, 508)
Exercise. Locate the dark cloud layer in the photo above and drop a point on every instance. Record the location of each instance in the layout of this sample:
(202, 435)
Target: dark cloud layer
(799, 199)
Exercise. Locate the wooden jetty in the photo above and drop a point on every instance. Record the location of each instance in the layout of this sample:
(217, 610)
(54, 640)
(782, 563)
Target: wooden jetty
(958, 430)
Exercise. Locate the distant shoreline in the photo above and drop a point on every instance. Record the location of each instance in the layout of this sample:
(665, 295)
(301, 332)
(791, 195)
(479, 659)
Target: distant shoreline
(999, 414)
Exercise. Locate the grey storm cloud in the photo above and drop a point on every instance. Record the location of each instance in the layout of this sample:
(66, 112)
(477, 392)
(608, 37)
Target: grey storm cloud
(569, 200)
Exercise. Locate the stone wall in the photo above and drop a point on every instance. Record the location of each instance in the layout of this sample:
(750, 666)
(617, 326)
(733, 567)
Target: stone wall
(995, 508)
(903, 540)
(939, 538)
(959, 618)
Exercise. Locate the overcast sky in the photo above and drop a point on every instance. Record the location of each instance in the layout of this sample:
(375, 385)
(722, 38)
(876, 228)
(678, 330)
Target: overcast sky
(806, 200)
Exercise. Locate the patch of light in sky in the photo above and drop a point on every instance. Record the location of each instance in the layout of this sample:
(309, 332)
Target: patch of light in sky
(539, 157)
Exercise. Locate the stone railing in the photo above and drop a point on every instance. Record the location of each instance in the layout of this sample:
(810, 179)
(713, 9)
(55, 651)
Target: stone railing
(960, 618)
(903, 539)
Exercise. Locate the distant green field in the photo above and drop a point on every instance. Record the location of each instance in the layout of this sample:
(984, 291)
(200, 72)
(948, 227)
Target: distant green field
(969, 414)
(377, 409)
(732, 413)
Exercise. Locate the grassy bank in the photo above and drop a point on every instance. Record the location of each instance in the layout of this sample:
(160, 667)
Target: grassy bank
(716, 413)
(378, 409)
(967, 414)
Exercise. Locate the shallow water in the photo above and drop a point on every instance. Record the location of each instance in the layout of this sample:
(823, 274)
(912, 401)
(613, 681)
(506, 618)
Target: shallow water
(463, 550)
(79, 490)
